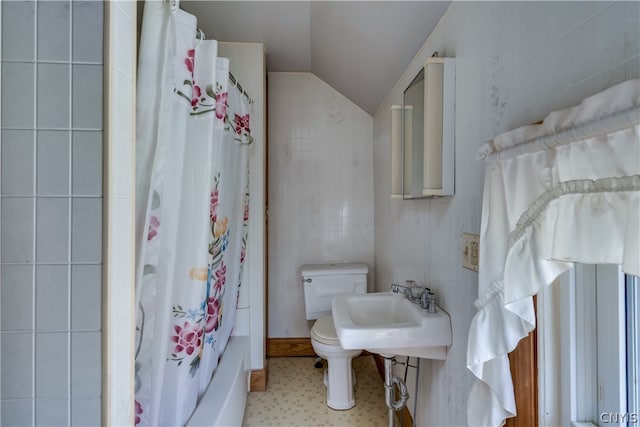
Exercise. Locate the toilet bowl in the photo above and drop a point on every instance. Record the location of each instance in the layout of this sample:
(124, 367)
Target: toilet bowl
(338, 377)
(321, 283)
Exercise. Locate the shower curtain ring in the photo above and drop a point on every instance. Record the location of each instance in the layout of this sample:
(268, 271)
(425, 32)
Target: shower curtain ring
(175, 4)
(200, 36)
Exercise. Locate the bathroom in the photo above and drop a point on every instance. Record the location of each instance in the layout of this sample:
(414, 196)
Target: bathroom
(516, 62)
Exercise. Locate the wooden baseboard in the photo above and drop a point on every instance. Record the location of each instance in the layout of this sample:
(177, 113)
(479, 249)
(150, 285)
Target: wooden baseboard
(403, 415)
(258, 380)
(289, 347)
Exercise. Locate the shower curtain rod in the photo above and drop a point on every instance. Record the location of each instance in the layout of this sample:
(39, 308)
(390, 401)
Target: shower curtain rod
(240, 88)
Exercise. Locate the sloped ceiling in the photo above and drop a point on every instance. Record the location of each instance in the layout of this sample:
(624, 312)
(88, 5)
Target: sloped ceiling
(360, 48)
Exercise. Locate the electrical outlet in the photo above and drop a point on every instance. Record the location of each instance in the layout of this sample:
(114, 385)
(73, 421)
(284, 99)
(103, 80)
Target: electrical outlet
(470, 250)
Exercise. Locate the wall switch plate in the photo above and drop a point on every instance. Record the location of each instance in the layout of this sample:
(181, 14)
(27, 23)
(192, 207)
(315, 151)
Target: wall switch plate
(470, 250)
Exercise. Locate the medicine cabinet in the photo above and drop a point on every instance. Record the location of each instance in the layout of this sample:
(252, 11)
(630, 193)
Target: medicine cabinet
(422, 134)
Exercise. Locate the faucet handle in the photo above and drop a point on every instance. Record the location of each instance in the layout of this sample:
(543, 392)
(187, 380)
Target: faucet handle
(428, 301)
(424, 299)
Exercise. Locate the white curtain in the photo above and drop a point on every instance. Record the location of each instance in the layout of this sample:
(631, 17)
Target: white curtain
(565, 191)
(191, 213)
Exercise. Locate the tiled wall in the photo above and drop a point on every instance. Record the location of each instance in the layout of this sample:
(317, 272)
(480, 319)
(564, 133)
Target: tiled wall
(515, 62)
(51, 199)
(320, 189)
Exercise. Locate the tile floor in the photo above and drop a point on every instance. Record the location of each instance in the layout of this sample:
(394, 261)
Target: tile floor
(295, 396)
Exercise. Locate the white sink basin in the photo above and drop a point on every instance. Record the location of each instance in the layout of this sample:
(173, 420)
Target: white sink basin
(387, 323)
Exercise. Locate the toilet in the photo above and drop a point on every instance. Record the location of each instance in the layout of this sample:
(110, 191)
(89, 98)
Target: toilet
(321, 283)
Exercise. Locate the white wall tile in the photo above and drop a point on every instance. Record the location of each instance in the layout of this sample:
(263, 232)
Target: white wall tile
(86, 363)
(86, 235)
(52, 168)
(320, 189)
(17, 229)
(86, 297)
(17, 413)
(87, 97)
(52, 364)
(17, 94)
(51, 413)
(52, 296)
(86, 163)
(53, 95)
(18, 30)
(53, 30)
(87, 31)
(16, 296)
(17, 369)
(85, 412)
(52, 229)
(17, 162)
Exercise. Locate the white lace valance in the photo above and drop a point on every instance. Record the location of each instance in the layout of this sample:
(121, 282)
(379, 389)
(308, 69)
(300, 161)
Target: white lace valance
(565, 191)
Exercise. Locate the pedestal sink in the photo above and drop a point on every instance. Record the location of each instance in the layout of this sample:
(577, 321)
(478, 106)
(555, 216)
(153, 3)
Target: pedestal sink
(389, 324)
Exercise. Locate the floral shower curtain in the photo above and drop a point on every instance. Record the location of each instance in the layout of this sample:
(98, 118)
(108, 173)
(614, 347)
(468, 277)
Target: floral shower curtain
(191, 213)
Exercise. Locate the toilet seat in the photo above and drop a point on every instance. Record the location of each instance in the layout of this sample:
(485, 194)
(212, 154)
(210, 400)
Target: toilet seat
(324, 331)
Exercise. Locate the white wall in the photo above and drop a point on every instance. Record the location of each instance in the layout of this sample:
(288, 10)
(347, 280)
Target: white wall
(515, 62)
(247, 64)
(320, 190)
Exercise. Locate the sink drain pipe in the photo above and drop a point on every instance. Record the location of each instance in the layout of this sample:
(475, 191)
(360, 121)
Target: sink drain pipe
(390, 381)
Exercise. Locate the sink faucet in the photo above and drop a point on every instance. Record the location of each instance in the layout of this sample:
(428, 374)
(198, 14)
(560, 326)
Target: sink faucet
(425, 299)
(402, 289)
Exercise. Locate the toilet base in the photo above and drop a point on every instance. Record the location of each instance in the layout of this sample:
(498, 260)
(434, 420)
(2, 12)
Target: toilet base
(339, 378)
(340, 405)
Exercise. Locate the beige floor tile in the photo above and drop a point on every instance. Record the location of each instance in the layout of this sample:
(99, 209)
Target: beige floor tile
(295, 396)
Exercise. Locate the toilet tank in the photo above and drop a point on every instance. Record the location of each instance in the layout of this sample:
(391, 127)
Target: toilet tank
(323, 281)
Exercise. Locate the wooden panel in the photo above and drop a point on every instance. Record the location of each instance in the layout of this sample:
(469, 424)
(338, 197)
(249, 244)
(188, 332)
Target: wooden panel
(289, 347)
(524, 371)
(258, 380)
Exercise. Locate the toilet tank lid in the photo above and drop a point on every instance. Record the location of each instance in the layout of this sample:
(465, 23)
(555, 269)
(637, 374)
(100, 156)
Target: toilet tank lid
(309, 270)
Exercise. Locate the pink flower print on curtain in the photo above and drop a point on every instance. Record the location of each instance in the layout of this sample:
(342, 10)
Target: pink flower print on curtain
(188, 338)
(214, 315)
(213, 207)
(196, 91)
(221, 105)
(139, 412)
(220, 278)
(154, 224)
(195, 94)
(190, 61)
(242, 122)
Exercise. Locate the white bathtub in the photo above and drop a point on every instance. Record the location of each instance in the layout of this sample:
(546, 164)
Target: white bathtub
(224, 400)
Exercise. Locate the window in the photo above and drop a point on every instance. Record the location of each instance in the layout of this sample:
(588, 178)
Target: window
(588, 348)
